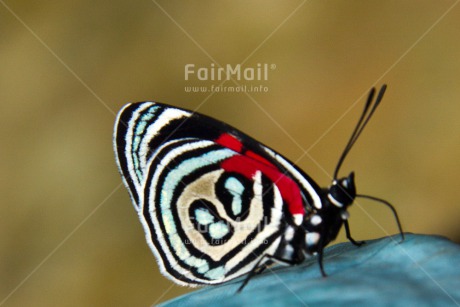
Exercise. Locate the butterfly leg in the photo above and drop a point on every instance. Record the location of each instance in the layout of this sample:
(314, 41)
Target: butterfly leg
(258, 269)
(348, 233)
(320, 257)
(253, 272)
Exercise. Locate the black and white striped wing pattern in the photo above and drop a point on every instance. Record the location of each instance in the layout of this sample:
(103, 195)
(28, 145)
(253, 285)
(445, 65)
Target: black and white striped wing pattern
(212, 200)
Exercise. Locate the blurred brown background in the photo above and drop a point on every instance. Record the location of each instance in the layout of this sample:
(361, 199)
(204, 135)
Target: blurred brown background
(68, 233)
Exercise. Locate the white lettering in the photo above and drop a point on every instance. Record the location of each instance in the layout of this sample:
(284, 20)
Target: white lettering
(189, 70)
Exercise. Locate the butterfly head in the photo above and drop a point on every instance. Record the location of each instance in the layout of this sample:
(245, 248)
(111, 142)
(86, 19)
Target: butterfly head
(342, 192)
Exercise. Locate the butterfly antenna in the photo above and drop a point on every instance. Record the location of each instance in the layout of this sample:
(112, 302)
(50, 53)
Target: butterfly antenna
(369, 109)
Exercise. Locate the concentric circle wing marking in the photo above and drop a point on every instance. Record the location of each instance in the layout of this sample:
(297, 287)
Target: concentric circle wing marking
(199, 241)
(209, 197)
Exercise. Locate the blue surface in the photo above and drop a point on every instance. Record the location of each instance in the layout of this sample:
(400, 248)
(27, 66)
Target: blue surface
(423, 270)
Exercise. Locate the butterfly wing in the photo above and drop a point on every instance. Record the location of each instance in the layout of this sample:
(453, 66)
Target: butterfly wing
(212, 200)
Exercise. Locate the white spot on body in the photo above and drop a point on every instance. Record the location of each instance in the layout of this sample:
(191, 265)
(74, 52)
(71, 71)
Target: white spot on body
(344, 215)
(315, 220)
(311, 238)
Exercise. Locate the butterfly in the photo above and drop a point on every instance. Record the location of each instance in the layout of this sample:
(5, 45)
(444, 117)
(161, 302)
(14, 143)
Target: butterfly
(216, 204)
